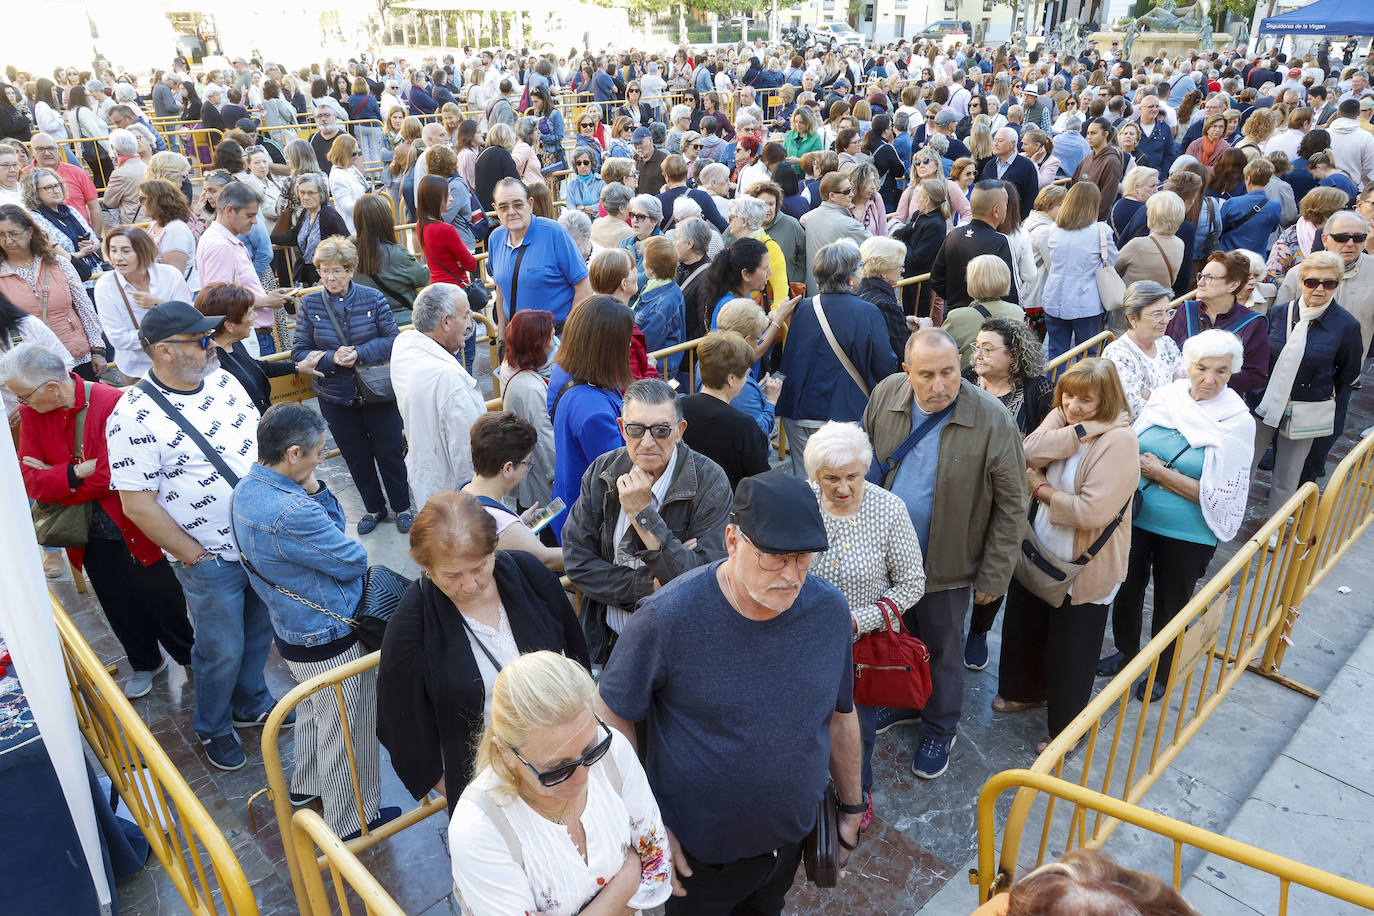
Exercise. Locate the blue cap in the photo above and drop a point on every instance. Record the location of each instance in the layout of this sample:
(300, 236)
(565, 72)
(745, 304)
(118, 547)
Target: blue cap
(643, 133)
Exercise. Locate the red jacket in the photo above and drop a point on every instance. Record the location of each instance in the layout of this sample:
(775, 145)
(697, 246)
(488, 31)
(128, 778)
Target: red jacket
(640, 364)
(49, 437)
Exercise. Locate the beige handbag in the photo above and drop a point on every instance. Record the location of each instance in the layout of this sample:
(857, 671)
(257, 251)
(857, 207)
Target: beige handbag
(1111, 289)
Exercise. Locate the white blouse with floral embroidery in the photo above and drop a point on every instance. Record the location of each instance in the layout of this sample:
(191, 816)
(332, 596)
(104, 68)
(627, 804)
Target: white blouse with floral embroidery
(555, 880)
(1139, 372)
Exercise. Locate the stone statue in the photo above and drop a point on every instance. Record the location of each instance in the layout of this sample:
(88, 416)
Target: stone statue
(1204, 35)
(1128, 39)
(1243, 36)
(1169, 17)
(1071, 37)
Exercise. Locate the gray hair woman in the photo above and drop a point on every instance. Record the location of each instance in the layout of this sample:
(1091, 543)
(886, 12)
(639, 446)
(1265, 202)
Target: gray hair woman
(1159, 255)
(1008, 364)
(525, 151)
(1145, 358)
(645, 212)
(1196, 443)
(610, 230)
(747, 216)
(874, 557)
(579, 226)
(819, 386)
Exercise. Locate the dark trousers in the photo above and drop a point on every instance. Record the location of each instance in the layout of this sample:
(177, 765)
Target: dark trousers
(938, 619)
(369, 435)
(144, 604)
(868, 735)
(1315, 465)
(1176, 566)
(1050, 653)
(756, 886)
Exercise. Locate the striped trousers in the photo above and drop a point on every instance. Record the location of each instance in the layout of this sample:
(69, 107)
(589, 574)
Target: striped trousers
(321, 758)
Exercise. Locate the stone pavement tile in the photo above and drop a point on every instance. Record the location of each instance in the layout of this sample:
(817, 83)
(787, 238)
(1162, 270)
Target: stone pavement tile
(1335, 739)
(1306, 815)
(414, 866)
(888, 875)
(1207, 899)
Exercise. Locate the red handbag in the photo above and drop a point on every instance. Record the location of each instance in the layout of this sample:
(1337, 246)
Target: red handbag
(891, 668)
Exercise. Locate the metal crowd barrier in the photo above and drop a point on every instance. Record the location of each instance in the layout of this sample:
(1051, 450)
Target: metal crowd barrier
(1087, 803)
(1230, 619)
(1345, 512)
(1093, 346)
(308, 833)
(191, 847)
(279, 794)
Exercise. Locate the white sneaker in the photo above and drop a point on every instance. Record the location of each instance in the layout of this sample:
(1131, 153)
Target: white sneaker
(140, 683)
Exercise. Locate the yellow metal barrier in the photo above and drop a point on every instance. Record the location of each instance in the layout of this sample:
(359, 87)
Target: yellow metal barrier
(308, 832)
(1087, 802)
(1345, 512)
(1093, 346)
(182, 834)
(278, 793)
(1227, 622)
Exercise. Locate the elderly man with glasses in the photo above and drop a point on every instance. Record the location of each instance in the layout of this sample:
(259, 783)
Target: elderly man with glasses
(708, 660)
(534, 261)
(647, 513)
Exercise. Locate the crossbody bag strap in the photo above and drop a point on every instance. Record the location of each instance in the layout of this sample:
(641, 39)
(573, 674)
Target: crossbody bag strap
(1168, 464)
(79, 449)
(1243, 220)
(214, 457)
(1102, 539)
(515, 280)
(333, 321)
(982, 310)
(45, 281)
(481, 645)
(913, 440)
(1167, 263)
(567, 386)
(835, 346)
(125, 296)
(502, 824)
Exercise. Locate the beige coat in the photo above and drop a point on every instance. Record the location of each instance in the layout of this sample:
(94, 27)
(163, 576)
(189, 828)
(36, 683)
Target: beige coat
(1140, 259)
(1107, 477)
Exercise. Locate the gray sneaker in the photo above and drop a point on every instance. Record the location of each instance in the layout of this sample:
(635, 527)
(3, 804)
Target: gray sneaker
(140, 683)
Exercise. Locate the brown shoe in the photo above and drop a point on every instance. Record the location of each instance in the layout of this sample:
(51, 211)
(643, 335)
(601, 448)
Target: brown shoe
(1003, 705)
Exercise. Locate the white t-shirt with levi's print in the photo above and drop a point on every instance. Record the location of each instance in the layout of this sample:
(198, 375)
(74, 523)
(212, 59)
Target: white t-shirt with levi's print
(150, 451)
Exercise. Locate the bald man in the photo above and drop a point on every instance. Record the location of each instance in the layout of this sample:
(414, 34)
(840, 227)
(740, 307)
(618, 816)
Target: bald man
(1008, 166)
(949, 273)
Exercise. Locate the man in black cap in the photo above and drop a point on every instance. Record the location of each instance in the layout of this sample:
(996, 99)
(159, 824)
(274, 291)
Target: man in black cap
(647, 513)
(177, 493)
(743, 671)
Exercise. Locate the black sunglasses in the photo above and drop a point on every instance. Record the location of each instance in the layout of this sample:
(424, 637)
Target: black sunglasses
(550, 778)
(1343, 237)
(1313, 283)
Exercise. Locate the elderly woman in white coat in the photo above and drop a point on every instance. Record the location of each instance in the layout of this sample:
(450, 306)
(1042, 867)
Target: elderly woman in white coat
(1072, 252)
(1196, 444)
(874, 557)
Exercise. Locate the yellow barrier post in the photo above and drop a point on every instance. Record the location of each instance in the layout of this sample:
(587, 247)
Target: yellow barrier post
(308, 831)
(1287, 871)
(174, 821)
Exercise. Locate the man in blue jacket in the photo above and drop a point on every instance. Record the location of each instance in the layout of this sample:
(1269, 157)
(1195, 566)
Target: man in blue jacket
(1247, 221)
(1157, 146)
(604, 88)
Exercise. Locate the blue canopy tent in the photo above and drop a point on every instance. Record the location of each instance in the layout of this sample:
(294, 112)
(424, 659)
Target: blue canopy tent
(1324, 17)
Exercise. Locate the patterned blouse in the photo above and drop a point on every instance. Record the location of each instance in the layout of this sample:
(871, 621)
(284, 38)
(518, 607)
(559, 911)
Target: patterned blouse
(873, 554)
(1139, 372)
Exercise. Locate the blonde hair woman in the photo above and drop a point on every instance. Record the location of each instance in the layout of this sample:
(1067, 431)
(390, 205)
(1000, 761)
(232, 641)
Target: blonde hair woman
(560, 813)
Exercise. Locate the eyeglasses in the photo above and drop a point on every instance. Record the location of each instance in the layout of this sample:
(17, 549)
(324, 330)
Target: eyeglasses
(54, 186)
(1160, 315)
(987, 351)
(845, 191)
(334, 271)
(636, 431)
(550, 778)
(1313, 283)
(24, 398)
(14, 236)
(1203, 278)
(777, 562)
(205, 341)
(636, 217)
(1343, 237)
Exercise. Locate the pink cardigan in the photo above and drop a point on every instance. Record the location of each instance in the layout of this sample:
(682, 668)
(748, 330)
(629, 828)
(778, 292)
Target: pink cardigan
(1106, 480)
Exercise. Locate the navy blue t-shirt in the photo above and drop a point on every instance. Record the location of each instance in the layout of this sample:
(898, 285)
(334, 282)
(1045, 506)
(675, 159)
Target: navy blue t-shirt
(738, 710)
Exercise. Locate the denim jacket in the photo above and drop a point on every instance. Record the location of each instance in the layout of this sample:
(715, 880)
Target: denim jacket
(298, 541)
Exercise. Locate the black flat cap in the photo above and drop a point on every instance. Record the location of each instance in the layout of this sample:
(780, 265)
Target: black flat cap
(168, 319)
(779, 513)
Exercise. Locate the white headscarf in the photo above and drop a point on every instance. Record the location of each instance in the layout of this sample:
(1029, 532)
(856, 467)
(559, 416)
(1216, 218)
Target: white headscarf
(1224, 429)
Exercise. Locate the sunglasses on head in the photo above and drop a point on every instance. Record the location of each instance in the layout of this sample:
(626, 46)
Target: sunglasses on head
(1313, 283)
(550, 778)
(1343, 237)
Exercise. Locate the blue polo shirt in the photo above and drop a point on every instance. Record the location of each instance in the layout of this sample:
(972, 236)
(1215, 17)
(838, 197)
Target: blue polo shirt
(551, 268)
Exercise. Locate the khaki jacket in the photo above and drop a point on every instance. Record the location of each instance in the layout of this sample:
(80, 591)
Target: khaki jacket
(1105, 480)
(979, 514)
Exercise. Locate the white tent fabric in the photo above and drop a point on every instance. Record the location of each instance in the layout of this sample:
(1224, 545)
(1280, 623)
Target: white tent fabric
(30, 634)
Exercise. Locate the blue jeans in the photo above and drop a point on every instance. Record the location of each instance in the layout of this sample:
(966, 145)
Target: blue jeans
(267, 343)
(233, 636)
(868, 733)
(1066, 333)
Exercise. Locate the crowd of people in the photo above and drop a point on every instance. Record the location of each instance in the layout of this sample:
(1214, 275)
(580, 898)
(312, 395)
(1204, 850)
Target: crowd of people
(869, 256)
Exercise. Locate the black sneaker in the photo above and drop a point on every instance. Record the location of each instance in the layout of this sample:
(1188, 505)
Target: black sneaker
(1156, 692)
(886, 718)
(1111, 665)
(224, 752)
(976, 651)
(301, 799)
(384, 816)
(261, 719)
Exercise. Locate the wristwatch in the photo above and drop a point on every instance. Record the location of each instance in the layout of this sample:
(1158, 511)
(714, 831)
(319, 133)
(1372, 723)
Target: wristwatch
(1080, 430)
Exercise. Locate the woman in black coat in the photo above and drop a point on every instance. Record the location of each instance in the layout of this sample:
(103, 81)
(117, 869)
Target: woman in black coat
(315, 221)
(235, 305)
(923, 237)
(474, 609)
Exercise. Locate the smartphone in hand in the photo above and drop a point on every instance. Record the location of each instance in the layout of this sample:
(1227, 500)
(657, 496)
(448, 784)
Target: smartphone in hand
(547, 514)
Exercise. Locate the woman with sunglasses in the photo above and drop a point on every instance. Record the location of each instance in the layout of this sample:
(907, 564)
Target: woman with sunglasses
(553, 777)
(582, 189)
(473, 610)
